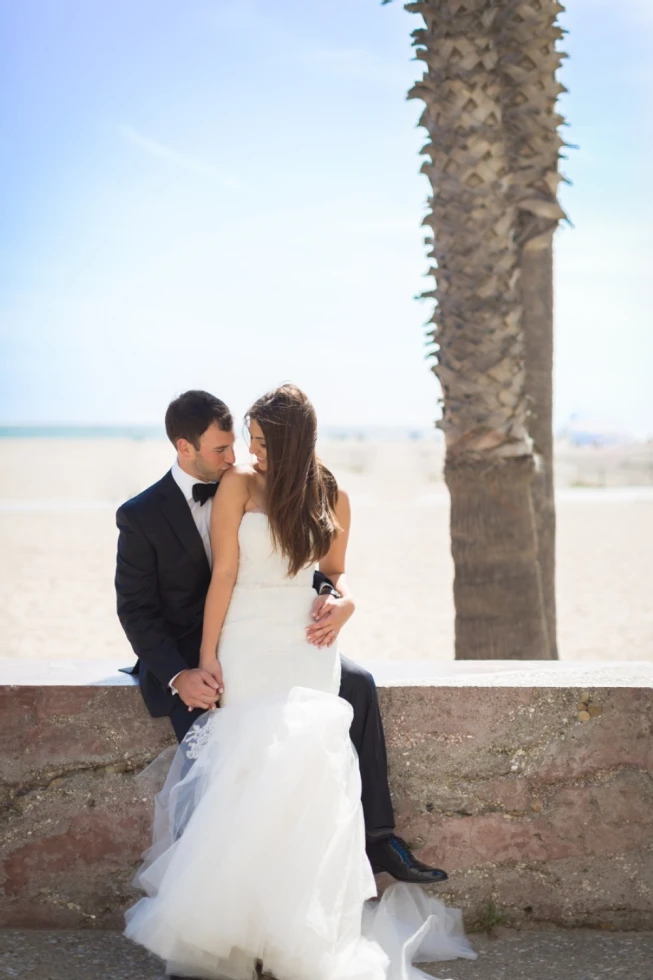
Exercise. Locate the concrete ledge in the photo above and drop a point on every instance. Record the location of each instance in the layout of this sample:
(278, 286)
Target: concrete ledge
(409, 673)
(533, 790)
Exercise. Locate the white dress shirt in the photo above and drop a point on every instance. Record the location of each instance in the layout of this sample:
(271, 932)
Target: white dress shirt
(201, 515)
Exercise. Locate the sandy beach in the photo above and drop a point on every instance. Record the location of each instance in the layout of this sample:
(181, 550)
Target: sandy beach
(58, 548)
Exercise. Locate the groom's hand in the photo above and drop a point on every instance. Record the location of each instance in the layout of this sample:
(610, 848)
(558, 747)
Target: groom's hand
(198, 688)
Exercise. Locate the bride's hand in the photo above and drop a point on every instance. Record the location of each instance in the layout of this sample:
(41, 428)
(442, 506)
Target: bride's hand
(330, 615)
(214, 668)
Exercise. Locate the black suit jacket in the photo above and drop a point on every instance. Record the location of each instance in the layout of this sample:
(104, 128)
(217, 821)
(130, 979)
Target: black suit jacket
(162, 577)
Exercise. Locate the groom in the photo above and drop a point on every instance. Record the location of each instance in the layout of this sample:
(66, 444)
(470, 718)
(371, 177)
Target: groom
(162, 577)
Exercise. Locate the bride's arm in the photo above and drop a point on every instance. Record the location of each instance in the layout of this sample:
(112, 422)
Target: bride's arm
(331, 613)
(333, 563)
(226, 515)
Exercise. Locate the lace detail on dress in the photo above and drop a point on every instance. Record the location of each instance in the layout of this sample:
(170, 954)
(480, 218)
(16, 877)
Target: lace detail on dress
(197, 738)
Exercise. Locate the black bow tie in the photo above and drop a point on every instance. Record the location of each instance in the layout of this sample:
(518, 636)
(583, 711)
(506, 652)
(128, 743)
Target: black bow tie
(204, 491)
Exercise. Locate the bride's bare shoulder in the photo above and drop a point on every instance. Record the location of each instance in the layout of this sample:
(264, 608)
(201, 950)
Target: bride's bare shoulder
(237, 480)
(241, 472)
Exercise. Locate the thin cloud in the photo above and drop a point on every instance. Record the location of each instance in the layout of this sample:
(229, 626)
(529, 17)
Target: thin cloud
(355, 63)
(639, 11)
(382, 226)
(191, 164)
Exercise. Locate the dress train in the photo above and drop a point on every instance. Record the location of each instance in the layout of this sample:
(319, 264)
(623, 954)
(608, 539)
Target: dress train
(258, 853)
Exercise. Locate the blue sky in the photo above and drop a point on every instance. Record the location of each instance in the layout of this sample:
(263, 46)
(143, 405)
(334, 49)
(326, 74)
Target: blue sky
(226, 195)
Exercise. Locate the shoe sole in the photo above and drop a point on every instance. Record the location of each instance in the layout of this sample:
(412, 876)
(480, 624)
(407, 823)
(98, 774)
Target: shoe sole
(378, 870)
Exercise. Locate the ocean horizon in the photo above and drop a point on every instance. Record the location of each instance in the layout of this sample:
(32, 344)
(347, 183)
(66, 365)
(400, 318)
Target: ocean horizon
(328, 433)
(362, 433)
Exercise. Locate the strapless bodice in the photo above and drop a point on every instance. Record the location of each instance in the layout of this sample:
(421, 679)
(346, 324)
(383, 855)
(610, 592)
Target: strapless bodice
(260, 564)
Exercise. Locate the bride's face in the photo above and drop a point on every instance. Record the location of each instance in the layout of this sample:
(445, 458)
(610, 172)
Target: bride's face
(257, 445)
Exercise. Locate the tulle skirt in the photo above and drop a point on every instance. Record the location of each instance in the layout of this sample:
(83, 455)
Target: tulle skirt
(258, 854)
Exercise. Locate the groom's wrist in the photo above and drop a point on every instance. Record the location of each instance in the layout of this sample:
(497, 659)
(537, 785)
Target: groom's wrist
(327, 589)
(171, 682)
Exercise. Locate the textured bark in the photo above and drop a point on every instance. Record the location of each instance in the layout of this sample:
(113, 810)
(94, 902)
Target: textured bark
(537, 292)
(528, 60)
(497, 585)
(489, 90)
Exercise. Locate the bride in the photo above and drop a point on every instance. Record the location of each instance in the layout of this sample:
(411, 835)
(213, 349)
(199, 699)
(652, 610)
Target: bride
(258, 855)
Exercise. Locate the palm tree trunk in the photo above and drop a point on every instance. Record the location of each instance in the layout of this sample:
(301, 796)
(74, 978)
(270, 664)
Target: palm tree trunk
(527, 34)
(536, 283)
(497, 584)
(476, 217)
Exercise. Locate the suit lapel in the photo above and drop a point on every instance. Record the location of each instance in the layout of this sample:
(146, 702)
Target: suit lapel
(178, 514)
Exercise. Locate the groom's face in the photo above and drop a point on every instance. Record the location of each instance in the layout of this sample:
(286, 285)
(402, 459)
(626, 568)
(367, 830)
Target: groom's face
(215, 454)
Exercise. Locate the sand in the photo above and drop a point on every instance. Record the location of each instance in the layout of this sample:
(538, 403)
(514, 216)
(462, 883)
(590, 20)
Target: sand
(57, 537)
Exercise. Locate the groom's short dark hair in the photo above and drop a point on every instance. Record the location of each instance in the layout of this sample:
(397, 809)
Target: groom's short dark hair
(190, 415)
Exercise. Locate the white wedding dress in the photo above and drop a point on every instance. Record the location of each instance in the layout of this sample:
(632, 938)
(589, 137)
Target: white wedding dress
(259, 844)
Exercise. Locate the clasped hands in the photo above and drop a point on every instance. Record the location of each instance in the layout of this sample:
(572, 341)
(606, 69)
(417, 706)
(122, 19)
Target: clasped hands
(201, 687)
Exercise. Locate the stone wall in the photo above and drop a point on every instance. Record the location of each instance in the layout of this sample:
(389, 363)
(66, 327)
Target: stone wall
(533, 788)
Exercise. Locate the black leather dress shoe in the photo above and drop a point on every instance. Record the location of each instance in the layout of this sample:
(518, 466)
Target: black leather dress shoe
(394, 856)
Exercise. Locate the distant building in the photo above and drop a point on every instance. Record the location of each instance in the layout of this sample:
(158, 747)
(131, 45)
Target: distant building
(584, 430)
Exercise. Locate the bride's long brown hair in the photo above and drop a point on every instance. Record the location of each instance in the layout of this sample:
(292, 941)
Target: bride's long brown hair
(300, 491)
